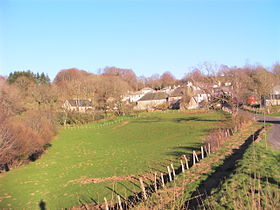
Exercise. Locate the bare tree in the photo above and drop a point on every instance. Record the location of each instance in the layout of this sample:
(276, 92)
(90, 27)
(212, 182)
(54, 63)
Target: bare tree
(167, 79)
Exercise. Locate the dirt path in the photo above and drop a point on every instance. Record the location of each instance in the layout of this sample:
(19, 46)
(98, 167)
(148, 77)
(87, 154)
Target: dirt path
(274, 135)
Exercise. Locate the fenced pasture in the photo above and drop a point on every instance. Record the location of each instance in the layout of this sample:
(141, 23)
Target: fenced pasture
(105, 159)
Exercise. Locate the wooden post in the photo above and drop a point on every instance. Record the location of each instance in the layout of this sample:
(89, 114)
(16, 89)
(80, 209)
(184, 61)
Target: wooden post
(170, 177)
(202, 152)
(193, 158)
(173, 170)
(209, 149)
(195, 155)
(187, 163)
(120, 202)
(155, 181)
(182, 164)
(143, 188)
(106, 204)
(162, 179)
(205, 149)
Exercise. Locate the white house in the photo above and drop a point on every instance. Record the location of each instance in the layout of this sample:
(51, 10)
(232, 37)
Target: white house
(79, 105)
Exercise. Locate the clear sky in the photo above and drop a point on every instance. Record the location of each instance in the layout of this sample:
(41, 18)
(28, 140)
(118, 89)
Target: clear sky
(148, 36)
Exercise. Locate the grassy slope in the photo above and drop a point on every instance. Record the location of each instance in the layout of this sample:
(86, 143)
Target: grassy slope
(134, 146)
(255, 182)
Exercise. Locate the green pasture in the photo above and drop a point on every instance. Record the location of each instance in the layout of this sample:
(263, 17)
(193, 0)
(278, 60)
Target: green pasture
(116, 147)
(255, 182)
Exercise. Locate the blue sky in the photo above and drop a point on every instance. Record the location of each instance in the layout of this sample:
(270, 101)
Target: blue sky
(148, 36)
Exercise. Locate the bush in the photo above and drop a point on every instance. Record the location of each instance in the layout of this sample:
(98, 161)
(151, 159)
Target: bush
(218, 136)
(24, 138)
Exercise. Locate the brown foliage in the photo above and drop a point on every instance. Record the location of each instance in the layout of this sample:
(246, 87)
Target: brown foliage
(127, 75)
(167, 79)
(22, 137)
(217, 137)
(11, 100)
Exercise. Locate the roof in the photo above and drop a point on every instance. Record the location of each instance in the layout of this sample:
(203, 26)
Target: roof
(154, 96)
(146, 88)
(79, 103)
(177, 92)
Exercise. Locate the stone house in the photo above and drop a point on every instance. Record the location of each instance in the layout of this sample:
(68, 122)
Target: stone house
(272, 99)
(77, 105)
(151, 100)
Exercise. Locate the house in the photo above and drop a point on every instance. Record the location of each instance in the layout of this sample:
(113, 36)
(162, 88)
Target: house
(175, 98)
(78, 105)
(272, 99)
(146, 90)
(135, 96)
(197, 96)
(151, 100)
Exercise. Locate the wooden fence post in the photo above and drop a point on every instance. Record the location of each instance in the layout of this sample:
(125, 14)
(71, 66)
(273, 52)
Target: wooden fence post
(182, 164)
(162, 179)
(195, 157)
(173, 170)
(155, 181)
(202, 152)
(209, 149)
(143, 188)
(106, 204)
(120, 202)
(170, 177)
(187, 163)
(205, 149)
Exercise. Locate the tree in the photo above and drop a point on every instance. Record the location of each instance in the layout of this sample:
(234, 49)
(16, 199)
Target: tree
(154, 81)
(36, 78)
(11, 100)
(74, 83)
(167, 79)
(109, 93)
(125, 74)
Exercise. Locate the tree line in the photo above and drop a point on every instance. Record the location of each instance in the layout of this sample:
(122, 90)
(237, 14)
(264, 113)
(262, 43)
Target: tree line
(31, 104)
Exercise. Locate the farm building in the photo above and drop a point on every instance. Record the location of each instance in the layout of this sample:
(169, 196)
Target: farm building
(197, 96)
(78, 105)
(151, 100)
(272, 99)
(135, 96)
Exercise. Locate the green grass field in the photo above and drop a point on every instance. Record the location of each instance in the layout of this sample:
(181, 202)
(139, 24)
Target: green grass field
(254, 184)
(130, 147)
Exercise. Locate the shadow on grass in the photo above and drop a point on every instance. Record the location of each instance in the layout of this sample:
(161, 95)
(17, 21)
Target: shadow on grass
(184, 150)
(264, 179)
(270, 121)
(177, 120)
(220, 174)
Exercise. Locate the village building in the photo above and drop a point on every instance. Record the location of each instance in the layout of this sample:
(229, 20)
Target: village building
(272, 99)
(135, 96)
(197, 96)
(77, 105)
(151, 100)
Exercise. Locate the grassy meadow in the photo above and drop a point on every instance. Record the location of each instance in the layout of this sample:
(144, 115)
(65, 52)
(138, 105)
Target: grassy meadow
(107, 151)
(254, 184)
